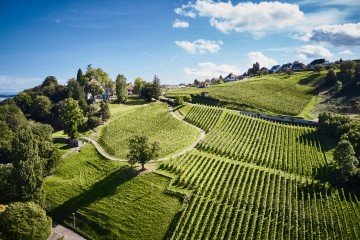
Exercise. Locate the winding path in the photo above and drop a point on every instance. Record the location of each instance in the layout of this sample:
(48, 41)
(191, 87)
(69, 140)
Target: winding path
(171, 110)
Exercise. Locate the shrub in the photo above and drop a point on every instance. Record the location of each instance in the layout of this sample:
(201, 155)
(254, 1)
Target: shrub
(93, 122)
(25, 221)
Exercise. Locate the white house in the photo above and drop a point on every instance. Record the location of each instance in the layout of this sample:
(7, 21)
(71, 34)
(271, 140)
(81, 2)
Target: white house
(231, 77)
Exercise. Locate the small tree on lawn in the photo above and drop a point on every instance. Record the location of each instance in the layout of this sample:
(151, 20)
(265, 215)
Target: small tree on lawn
(318, 68)
(344, 155)
(141, 151)
(71, 116)
(121, 91)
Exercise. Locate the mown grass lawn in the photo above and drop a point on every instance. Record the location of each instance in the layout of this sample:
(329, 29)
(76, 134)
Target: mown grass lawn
(110, 200)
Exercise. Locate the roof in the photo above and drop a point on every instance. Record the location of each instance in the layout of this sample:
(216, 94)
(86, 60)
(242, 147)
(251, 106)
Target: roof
(130, 87)
(318, 61)
(231, 75)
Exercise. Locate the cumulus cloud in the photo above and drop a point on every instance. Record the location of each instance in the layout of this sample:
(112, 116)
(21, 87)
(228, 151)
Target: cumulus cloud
(346, 52)
(338, 35)
(180, 24)
(210, 70)
(200, 46)
(313, 51)
(186, 11)
(263, 60)
(245, 16)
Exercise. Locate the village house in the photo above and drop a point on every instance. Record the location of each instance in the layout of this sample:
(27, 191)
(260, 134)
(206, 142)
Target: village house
(298, 66)
(320, 61)
(274, 69)
(130, 89)
(231, 77)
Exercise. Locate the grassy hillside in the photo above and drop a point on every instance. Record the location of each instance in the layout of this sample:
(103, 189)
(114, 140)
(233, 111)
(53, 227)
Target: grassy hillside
(110, 200)
(153, 120)
(271, 93)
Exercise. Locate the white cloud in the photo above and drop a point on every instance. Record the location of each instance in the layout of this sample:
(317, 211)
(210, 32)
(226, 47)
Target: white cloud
(261, 59)
(200, 46)
(350, 3)
(246, 16)
(338, 35)
(313, 51)
(180, 24)
(210, 70)
(346, 52)
(186, 11)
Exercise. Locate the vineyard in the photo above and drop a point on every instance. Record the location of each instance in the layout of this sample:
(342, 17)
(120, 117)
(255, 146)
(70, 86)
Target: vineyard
(272, 93)
(154, 121)
(256, 179)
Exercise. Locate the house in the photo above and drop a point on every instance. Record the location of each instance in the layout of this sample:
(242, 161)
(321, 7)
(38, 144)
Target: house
(275, 68)
(204, 85)
(231, 77)
(130, 89)
(320, 61)
(297, 66)
(100, 97)
(286, 65)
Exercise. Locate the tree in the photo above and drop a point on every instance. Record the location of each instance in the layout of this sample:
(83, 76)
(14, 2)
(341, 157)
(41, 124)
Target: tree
(24, 220)
(347, 66)
(94, 88)
(318, 68)
(156, 88)
(28, 168)
(99, 75)
(179, 100)
(338, 86)
(121, 90)
(80, 77)
(344, 156)
(41, 107)
(330, 78)
(24, 101)
(104, 111)
(71, 117)
(75, 92)
(141, 151)
(138, 85)
(196, 82)
(6, 138)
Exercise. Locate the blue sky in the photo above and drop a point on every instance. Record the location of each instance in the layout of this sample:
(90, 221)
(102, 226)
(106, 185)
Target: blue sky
(177, 40)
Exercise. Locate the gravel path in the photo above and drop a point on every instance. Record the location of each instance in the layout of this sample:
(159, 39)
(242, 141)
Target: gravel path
(171, 110)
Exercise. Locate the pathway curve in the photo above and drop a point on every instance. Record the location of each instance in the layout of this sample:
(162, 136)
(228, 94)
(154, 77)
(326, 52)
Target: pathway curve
(171, 110)
(59, 231)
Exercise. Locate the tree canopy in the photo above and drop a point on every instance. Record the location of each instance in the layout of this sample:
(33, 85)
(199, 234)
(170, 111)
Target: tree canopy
(24, 221)
(138, 85)
(71, 116)
(344, 155)
(141, 151)
(121, 91)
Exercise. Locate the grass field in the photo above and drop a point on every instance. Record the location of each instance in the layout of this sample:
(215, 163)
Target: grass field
(153, 120)
(271, 93)
(110, 200)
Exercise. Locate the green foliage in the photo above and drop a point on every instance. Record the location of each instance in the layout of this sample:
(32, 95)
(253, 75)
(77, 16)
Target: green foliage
(28, 168)
(353, 136)
(75, 92)
(330, 78)
(179, 100)
(71, 116)
(121, 90)
(24, 101)
(333, 124)
(99, 75)
(344, 155)
(138, 86)
(94, 122)
(7, 186)
(25, 221)
(94, 88)
(338, 86)
(80, 77)
(156, 88)
(12, 116)
(40, 108)
(6, 138)
(154, 121)
(104, 111)
(318, 68)
(141, 151)
(347, 66)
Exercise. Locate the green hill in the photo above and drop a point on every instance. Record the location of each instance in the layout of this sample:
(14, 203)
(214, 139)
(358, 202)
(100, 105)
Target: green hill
(152, 120)
(288, 95)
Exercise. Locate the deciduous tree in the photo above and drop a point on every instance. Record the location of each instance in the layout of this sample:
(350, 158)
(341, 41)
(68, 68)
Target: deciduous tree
(71, 117)
(141, 151)
(121, 91)
(344, 155)
(138, 85)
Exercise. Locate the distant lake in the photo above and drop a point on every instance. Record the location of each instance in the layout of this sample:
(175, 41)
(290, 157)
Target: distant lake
(5, 96)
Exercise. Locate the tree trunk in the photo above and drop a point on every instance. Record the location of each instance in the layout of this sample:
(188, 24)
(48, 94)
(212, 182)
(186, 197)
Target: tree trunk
(142, 167)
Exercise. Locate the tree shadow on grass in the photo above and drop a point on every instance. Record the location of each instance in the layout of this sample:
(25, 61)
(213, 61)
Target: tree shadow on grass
(104, 188)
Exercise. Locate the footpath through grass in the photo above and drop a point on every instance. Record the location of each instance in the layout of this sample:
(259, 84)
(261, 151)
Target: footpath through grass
(109, 199)
(288, 95)
(154, 121)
